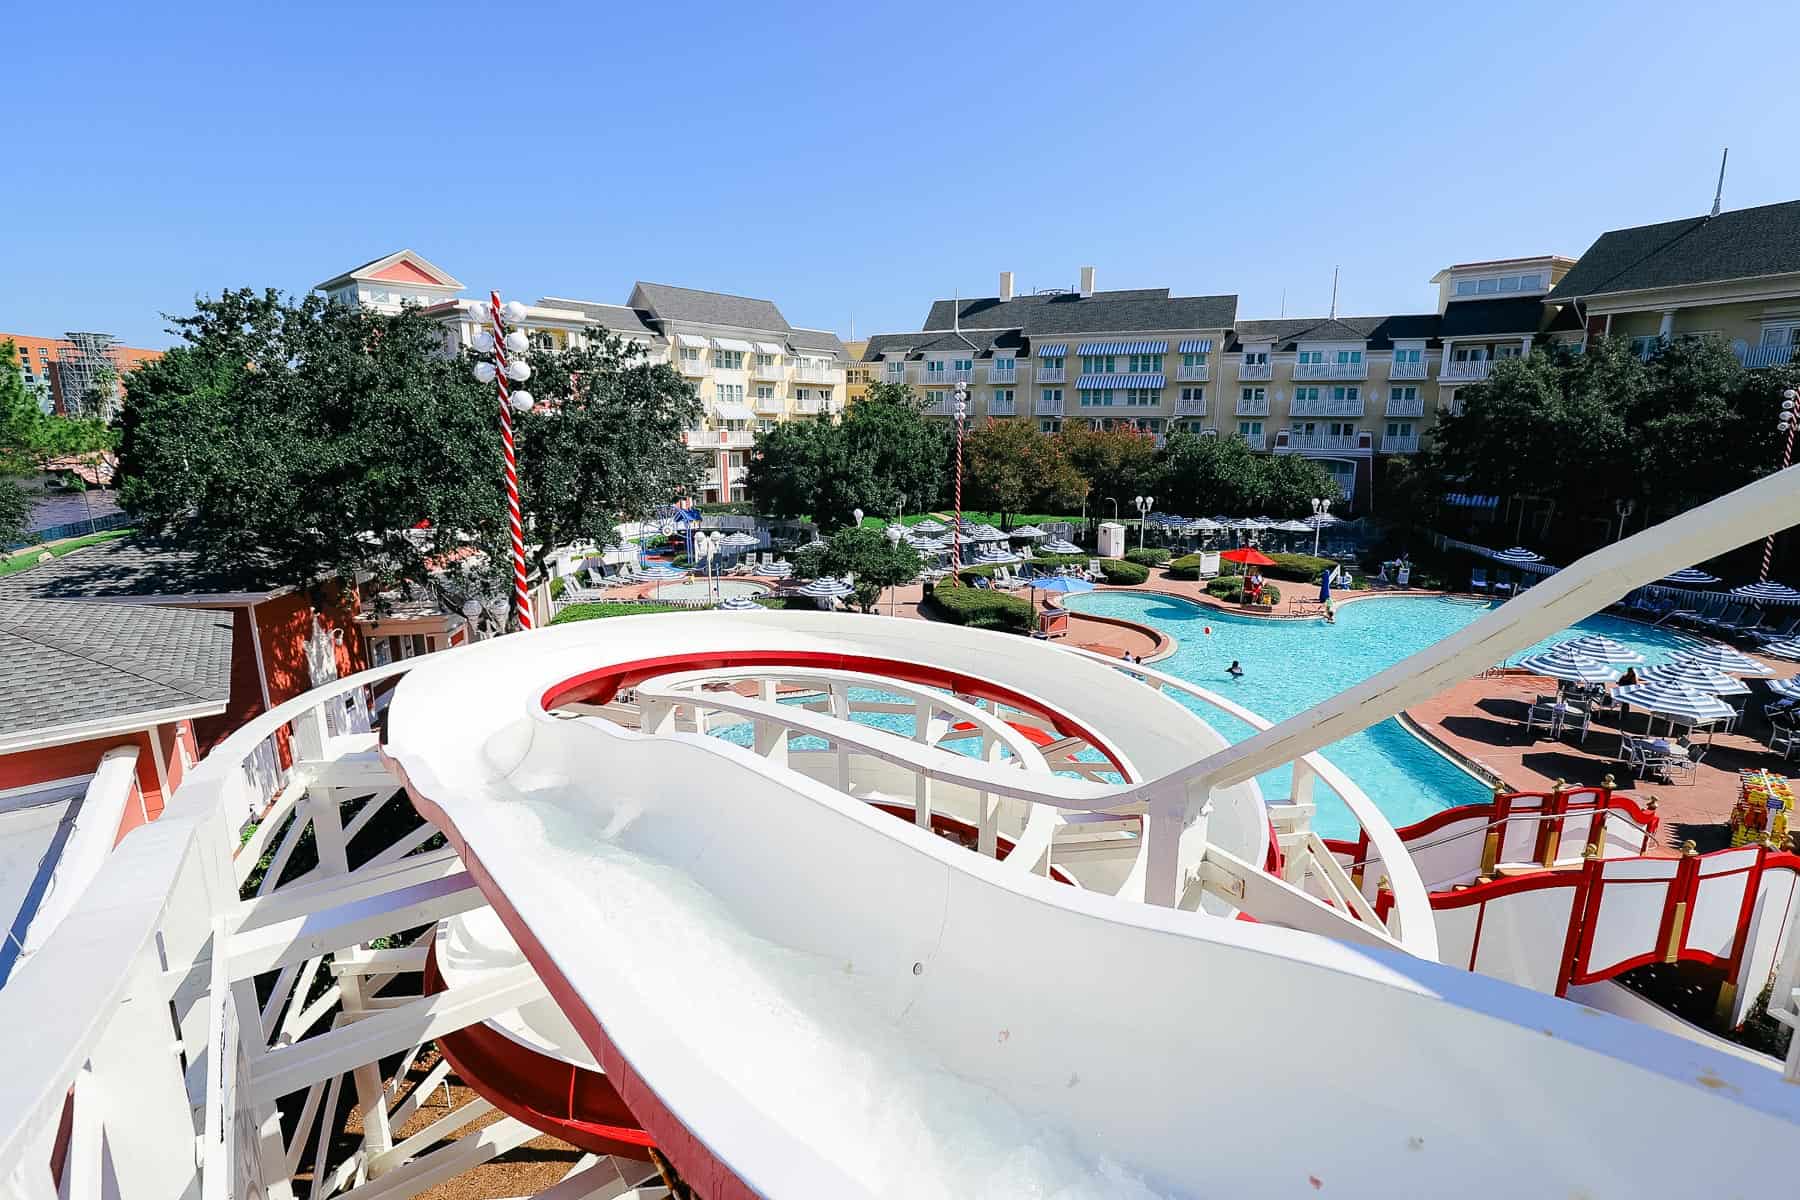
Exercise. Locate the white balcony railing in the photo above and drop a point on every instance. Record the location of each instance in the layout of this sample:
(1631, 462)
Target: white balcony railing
(713, 439)
(1467, 371)
(936, 408)
(1049, 406)
(769, 371)
(817, 374)
(1253, 408)
(1331, 370)
(1256, 441)
(1253, 371)
(1327, 406)
(995, 374)
(1051, 374)
(768, 404)
(1409, 370)
(694, 367)
(1770, 356)
(1322, 441)
(1190, 407)
(809, 404)
(1405, 407)
(1197, 373)
(1399, 443)
(1003, 407)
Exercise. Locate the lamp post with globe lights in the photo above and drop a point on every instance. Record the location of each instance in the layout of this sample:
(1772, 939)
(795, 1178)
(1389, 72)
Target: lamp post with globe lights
(1320, 507)
(894, 534)
(471, 611)
(1785, 427)
(503, 369)
(1143, 504)
(960, 410)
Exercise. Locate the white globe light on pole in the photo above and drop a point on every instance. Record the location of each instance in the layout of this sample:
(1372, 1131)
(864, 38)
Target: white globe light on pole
(517, 342)
(523, 401)
(1784, 427)
(484, 372)
(857, 515)
(1320, 507)
(893, 537)
(1144, 506)
(483, 341)
(514, 312)
(518, 370)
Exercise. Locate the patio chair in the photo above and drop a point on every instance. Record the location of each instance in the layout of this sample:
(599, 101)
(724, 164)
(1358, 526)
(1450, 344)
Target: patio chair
(1544, 715)
(1724, 619)
(1478, 580)
(1685, 764)
(1580, 719)
(1403, 577)
(1750, 625)
(1781, 739)
(1784, 629)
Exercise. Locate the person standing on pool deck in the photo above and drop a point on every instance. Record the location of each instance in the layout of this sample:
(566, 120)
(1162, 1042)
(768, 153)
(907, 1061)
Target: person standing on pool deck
(1234, 670)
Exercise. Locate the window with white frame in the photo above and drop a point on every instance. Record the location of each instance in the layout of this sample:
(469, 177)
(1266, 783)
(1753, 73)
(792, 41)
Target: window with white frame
(936, 396)
(1144, 364)
(1003, 398)
(1098, 364)
(690, 355)
(765, 392)
(1308, 357)
(1349, 357)
(1403, 395)
(1190, 426)
(1347, 395)
(1253, 395)
(1197, 360)
(1196, 395)
(1049, 425)
(728, 393)
(1256, 358)
(728, 360)
(1096, 397)
(1050, 396)
(1494, 285)
(1408, 354)
(1306, 395)
(963, 367)
(765, 360)
(1399, 429)
(1250, 429)
(1340, 429)
(1141, 397)
(1052, 362)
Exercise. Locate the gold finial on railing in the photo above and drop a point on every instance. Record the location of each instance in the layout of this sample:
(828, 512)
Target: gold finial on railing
(1590, 851)
(1650, 804)
(1607, 781)
(1690, 848)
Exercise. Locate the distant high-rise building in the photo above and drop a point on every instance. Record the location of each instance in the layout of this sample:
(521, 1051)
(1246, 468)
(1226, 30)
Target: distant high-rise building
(80, 374)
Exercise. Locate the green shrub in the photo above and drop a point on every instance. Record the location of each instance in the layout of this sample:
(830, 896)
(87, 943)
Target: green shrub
(1148, 556)
(557, 585)
(981, 608)
(1185, 567)
(1230, 588)
(595, 611)
(1300, 568)
(1118, 571)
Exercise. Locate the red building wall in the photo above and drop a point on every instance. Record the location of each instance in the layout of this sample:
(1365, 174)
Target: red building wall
(49, 763)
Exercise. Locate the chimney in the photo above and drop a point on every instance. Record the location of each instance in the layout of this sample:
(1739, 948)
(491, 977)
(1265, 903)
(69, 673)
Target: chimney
(1005, 286)
(1087, 281)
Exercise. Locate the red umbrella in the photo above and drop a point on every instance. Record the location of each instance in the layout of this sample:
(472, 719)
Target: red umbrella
(1249, 556)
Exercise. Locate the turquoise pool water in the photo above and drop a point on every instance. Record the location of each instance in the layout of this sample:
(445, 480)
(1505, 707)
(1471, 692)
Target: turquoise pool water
(1289, 666)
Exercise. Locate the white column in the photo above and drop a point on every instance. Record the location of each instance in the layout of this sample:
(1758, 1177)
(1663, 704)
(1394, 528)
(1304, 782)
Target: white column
(1668, 324)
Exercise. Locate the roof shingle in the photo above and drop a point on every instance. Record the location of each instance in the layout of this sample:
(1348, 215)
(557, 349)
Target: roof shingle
(665, 302)
(125, 568)
(1740, 244)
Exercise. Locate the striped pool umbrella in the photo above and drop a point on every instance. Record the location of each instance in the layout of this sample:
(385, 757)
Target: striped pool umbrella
(1788, 648)
(827, 588)
(1767, 592)
(1703, 679)
(1203, 525)
(994, 555)
(1319, 520)
(929, 526)
(1294, 527)
(1723, 658)
(1519, 554)
(1689, 577)
(657, 573)
(1060, 546)
(1676, 701)
(737, 604)
(1028, 531)
(741, 541)
(1598, 646)
(985, 533)
(1789, 688)
(781, 568)
(1560, 662)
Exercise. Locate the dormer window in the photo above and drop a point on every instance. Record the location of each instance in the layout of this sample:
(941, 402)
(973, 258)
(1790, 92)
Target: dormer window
(1495, 285)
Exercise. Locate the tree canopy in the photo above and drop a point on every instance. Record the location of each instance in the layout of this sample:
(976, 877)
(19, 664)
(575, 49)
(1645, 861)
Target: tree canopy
(1118, 463)
(28, 435)
(884, 456)
(1011, 467)
(1582, 430)
(872, 561)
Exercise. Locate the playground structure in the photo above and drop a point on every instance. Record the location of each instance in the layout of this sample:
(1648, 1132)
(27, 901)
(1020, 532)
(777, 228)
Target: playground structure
(658, 846)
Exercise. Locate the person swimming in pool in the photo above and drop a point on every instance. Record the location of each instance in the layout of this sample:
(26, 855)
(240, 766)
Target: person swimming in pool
(1234, 670)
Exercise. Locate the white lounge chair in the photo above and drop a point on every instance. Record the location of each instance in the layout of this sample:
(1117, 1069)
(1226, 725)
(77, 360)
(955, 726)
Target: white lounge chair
(1478, 580)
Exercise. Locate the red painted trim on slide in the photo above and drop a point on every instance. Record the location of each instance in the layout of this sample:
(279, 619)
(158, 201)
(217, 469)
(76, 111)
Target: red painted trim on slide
(576, 1104)
(598, 686)
(699, 1167)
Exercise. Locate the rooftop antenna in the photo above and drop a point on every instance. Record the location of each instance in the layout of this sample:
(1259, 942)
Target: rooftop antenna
(1284, 302)
(956, 311)
(1334, 278)
(1719, 191)
(853, 327)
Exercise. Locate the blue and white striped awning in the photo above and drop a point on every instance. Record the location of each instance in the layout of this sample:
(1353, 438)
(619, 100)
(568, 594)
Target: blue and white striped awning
(1123, 348)
(1119, 381)
(1059, 351)
(1196, 346)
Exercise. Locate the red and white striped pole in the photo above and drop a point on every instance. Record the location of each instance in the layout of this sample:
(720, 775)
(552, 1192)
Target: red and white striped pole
(521, 594)
(961, 413)
(1786, 429)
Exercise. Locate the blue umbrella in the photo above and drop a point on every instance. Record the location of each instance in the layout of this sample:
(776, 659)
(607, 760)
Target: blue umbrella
(1064, 583)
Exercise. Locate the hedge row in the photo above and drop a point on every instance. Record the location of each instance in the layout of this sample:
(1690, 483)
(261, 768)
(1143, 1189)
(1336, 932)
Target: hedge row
(981, 608)
(1118, 571)
(1185, 567)
(1149, 556)
(1300, 568)
(1042, 562)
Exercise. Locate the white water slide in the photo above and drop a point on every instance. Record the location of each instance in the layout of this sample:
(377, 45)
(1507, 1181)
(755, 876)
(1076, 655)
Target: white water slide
(801, 996)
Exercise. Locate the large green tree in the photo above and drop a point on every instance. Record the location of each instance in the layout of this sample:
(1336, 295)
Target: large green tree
(28, 435)
(1210, 474)
(884, 456)
(1119, 463)
(874, 562)
(1012, 467)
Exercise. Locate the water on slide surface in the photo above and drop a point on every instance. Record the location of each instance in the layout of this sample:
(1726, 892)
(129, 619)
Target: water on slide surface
(805, 1036)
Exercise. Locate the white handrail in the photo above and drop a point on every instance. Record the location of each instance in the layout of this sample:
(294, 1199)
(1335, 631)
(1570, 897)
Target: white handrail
(1418, 931)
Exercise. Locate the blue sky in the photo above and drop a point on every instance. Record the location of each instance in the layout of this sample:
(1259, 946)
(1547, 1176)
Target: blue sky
(851, 162)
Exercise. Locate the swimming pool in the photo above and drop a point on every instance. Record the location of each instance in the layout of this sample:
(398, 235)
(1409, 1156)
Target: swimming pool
(1289, 666)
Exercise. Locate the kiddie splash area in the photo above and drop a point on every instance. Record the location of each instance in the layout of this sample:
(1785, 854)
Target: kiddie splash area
(799, 904)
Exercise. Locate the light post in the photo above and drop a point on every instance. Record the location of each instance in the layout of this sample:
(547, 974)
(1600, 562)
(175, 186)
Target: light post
(503, 370)
(960, 411)
(856, 514)
(1143, 504)
(1623, 507)
(1785, 427)
(893, 537)
(706, 549)
(471, 611)
(1320, 507)
(1114, 501)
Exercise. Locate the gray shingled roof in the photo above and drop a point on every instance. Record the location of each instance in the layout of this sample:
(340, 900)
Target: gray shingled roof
(127, 568)
(983, 342)
(1472, 318)
(665, 302)
(1741, 244)
(1135, 310)
(617, 317)
(64, 662)
(816, 341)
(1379, 332)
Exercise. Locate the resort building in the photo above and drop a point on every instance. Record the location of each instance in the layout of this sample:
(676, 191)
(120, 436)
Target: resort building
(78, 374)
(1730, 275)
(858, 375)
(750, 366)
(1138, 357)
